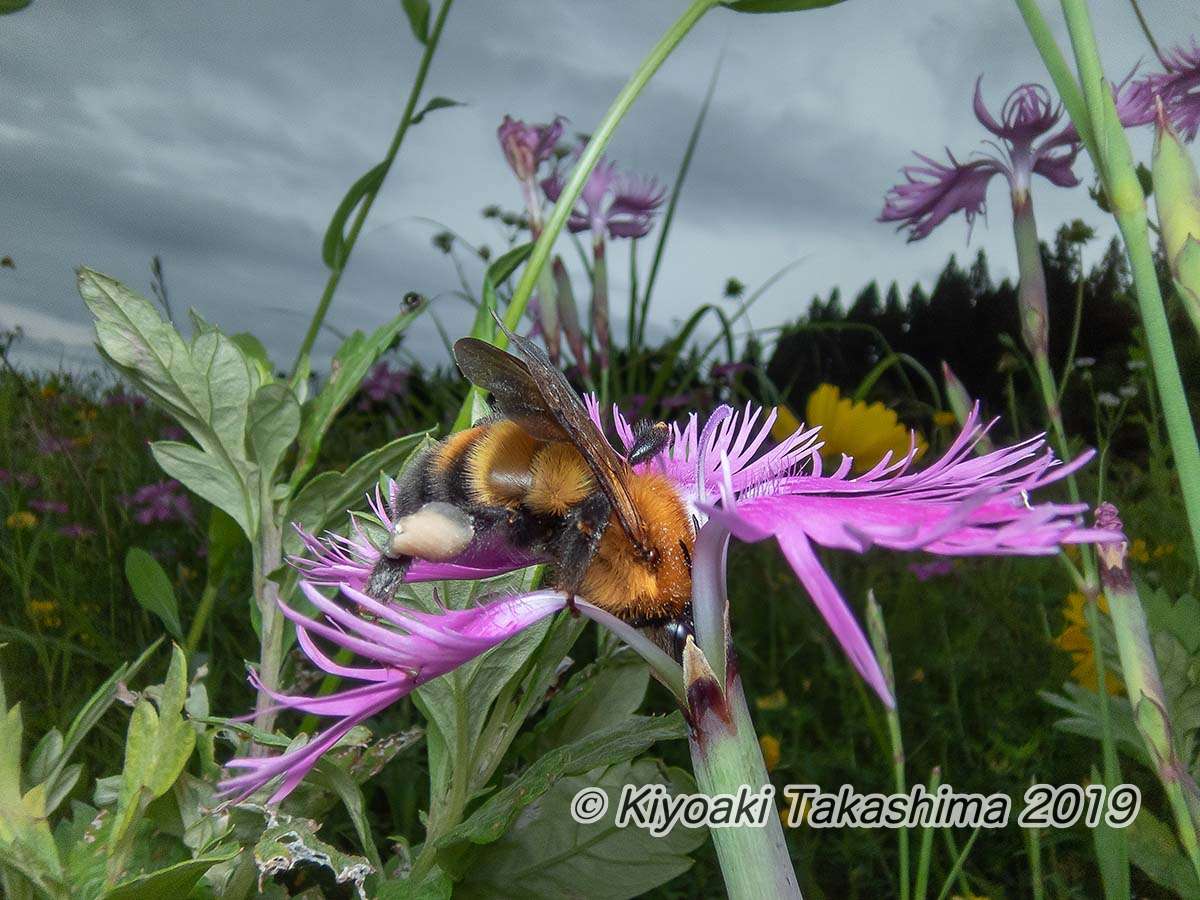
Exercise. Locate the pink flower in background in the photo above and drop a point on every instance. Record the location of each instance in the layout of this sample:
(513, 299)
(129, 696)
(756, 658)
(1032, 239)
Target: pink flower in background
(118, 397)
(163, 501)
(51, 444)
(383, 383)
(173, 433)
(612, 202)
(526, 147)
(1028, 145)
(934, 569)
(77, 530)
(56, 507)
(1178, 87)
(963, 504)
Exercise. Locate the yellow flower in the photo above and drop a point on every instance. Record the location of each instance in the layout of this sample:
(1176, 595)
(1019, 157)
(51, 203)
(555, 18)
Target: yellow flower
(49, 392)
(785, 424)
(770, 751)
(1164, 550)
(21, 519)
(864, 431)
(772, 701)
(1076, 641)
(1139, 552)
(45, 613)
(945, 419)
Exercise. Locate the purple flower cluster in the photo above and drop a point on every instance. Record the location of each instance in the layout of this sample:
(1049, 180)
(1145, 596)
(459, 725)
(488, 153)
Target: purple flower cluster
(163, 501)
(26, 480)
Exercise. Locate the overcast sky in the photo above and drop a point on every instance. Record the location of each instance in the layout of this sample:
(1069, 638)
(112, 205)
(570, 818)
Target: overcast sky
(221, 136)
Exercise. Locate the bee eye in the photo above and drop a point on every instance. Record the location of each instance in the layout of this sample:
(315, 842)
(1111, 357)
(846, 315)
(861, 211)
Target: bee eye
(652, 556)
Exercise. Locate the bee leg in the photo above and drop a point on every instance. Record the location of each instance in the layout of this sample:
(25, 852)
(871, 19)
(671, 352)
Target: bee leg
(387, 576)
(577, 541)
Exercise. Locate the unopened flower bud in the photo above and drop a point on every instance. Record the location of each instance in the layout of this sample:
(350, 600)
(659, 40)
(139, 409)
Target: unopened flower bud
(1177, 193)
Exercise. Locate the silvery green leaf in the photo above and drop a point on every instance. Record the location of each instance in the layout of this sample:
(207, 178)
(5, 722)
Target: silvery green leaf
(289, 844)
(273, 424)
(211, 478)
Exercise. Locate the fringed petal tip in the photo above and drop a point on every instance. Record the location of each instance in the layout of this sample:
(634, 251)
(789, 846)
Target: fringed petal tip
(409, 646)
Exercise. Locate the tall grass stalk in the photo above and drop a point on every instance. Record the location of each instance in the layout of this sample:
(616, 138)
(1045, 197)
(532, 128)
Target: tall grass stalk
(364, 208)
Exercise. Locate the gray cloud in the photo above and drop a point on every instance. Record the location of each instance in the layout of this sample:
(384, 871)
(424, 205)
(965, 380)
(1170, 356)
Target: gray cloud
(222, 135)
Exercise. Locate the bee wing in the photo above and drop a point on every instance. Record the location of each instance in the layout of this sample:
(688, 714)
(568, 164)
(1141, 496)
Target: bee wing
(532, 392)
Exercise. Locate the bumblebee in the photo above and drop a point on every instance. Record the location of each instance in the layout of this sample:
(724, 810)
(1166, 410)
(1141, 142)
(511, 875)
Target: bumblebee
(540, 476)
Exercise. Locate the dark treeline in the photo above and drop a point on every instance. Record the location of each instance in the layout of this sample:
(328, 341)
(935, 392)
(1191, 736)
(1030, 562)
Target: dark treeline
(967, 320)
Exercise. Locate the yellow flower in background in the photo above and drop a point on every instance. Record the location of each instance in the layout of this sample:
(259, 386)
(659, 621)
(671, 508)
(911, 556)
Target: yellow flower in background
(21, 519)
(785, 424)
(49, 392)
(1164, 550)
(943, 418)
(770, 751)
(864, 431)
(1139, 551)
(45, 613)
(1076, 641)
(774, 700)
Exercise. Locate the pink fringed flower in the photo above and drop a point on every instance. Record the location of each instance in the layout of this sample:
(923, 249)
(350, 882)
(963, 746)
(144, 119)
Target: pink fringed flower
(734, 484)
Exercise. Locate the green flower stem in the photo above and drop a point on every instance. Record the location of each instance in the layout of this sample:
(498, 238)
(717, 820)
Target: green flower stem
(878, 635)
(1145, 690)
(726, 757)
(1060, 71)
(268, 557)
(591, 155)
(1035, 332)
(1117, 842)
(1124, 191)
(203, 612)
(364, 208)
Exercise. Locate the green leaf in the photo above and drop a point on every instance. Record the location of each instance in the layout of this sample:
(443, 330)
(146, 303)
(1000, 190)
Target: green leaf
(204, 474)
(339, 781)
(333, 247)
(157, 747)
(350, 365)
(436, 885)
(256, 354)
(489, 823)
(273, 424)
(546, 854)
(294, 843)
(12, 6)
(1154, 849)
(325, 498)
(152, 588)
(25, 839)
(206, 385)
(776, 6)
(601, 696)
(435, 104)
(171, 883)
(224, 538)
(97, 705)
(418, 18)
